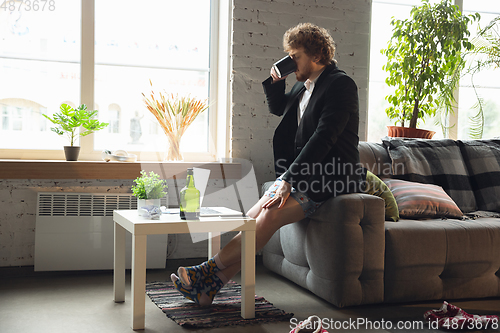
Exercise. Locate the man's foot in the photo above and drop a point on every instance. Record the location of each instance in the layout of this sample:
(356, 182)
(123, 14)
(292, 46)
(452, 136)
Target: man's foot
(187, 292)
(203, 292)
(191, 276)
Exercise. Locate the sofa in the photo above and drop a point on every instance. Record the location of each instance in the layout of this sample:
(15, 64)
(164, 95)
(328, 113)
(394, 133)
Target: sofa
(349, 253)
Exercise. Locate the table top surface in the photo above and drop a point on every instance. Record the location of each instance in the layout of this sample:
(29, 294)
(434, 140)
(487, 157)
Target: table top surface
(172, 223)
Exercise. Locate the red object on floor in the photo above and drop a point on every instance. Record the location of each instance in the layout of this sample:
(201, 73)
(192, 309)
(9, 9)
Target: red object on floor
(313, 324)
(452, 317)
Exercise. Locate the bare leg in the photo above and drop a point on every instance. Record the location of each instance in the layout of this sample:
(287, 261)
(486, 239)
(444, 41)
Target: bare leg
(269, 220)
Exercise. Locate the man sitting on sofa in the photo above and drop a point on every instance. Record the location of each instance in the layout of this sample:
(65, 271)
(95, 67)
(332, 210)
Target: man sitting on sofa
(315, 153)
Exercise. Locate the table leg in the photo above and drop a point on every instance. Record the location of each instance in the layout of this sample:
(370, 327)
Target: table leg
(119, 264)
(139, 243)
(213, 243)
(248, 274)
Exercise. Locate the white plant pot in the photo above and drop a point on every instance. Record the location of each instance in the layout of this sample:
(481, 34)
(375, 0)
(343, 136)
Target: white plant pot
(146, 202)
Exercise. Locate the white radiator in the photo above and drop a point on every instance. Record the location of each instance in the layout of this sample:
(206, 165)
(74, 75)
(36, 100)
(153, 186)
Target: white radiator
(74, 231)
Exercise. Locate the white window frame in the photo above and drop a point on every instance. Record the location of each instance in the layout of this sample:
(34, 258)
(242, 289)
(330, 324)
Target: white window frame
(219, 93)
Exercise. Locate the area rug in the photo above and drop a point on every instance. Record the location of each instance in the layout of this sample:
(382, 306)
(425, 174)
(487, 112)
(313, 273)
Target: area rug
(224, 311)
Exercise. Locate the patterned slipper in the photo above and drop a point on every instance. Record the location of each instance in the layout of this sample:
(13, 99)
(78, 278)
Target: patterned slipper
(194, 275)
(187, 292)
(204, 292)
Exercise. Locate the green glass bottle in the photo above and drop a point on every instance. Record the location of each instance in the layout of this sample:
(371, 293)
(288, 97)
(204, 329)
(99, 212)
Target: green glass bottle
(190, 199)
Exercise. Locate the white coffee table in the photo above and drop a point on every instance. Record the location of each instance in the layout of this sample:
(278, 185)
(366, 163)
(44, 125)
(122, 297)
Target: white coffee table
(140, 227)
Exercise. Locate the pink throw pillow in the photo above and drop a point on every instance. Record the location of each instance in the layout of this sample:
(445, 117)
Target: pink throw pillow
(416, 200)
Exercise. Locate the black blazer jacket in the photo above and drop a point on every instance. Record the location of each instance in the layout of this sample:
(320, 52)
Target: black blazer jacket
(320, 156)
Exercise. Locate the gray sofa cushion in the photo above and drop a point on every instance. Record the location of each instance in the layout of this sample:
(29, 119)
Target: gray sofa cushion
(442, 259)
(482, 158)
(437, 162)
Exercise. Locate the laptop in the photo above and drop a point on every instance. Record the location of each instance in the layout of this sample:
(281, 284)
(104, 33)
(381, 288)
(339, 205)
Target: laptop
(201, 177)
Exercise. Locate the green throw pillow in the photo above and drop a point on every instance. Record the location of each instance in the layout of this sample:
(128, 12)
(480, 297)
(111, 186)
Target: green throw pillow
(375, 186)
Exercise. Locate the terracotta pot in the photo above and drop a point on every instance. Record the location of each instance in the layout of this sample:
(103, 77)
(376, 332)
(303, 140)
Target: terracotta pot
(407, 132)
(71, 153)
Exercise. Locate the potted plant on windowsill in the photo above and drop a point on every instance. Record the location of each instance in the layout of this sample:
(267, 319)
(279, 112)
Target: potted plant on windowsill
(149, 189)
(69, 120)
(424, 56)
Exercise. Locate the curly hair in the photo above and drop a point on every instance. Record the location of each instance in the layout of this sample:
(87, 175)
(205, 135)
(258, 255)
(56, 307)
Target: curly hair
(315, 41)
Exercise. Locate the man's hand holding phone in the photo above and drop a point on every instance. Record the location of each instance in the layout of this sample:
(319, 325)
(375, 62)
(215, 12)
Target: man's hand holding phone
(275, 76)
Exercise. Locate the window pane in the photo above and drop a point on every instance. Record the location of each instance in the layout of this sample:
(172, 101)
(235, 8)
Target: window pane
(118, 96)
(168, 43)
(383, 11)
(482, 6)
(381, 31)
(39, 69)
(486, 81)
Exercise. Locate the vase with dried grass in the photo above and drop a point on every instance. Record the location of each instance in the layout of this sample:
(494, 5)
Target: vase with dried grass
(174, 114)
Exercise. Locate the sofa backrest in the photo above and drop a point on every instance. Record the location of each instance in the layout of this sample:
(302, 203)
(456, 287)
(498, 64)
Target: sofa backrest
(482, 158)
(471, 166)
(374, 157)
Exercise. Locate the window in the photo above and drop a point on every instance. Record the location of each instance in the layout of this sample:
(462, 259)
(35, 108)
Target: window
(170, 49)
(113, 120)
(486, 81)
(38, 69)
(381, 31)
(41, 64)
(5, 118)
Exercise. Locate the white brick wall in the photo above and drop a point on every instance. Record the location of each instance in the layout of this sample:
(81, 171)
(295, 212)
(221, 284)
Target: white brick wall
(258, 28)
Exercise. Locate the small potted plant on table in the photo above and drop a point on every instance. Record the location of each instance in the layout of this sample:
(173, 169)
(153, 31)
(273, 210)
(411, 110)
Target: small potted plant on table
(69, 120)
(424, 56)
(149, 189)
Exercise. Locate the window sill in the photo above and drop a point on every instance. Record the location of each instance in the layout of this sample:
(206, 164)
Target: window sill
(55, 169)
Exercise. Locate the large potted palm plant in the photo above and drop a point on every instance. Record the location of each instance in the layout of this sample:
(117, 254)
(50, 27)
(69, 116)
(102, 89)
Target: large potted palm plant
(423, 56)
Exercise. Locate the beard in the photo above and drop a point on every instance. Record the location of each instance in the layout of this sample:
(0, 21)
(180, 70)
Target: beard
(304, 73)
